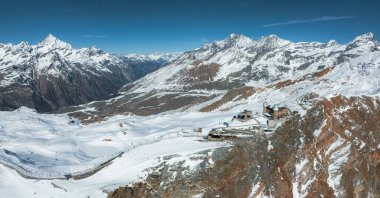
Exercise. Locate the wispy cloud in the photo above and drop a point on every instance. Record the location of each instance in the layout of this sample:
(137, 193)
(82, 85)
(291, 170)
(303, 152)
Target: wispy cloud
(93, 36)
(324, 18)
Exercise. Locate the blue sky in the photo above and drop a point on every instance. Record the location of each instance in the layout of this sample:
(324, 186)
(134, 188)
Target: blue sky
(146, 26)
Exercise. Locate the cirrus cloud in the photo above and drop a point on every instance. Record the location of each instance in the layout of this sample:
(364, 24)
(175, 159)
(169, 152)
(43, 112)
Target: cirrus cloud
(318, 19)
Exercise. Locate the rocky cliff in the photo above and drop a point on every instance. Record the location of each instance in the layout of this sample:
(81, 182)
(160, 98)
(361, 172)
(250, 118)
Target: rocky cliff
(269, 66)
(53, 74)
(330, 151)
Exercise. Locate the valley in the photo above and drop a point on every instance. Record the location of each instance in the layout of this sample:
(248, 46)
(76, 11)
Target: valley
(86, 123)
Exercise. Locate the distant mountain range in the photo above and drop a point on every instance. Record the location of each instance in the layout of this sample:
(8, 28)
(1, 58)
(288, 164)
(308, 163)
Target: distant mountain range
(52, 74)
(210, 77)
(327, 147)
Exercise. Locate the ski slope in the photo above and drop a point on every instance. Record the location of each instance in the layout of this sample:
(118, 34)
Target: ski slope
(52, 146)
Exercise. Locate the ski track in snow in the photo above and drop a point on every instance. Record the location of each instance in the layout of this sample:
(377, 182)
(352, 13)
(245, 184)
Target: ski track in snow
(57, 144)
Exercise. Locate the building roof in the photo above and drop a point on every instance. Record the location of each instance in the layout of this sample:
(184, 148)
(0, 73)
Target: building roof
(280, 106)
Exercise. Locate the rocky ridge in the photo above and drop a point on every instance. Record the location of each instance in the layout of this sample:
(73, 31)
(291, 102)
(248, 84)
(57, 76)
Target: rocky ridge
(270, 66)
(331, 151)
(53, 74)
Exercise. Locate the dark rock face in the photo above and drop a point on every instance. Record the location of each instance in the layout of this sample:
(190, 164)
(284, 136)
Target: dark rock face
(220, 68)
(47, 93)
(233, 94)
(151, 104)
(140, 68)
(332, 151)
(52, 75)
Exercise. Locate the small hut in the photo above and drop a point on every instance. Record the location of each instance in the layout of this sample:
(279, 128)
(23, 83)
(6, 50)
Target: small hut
(244, 115)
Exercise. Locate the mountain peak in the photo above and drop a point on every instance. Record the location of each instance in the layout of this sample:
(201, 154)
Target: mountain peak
(366, 41)
(270, 37)
(271, 41)
(51, 42)
(235, 36)
(364, 38)
(93, 48)
(153, 57)
(331, 43)
(50, 37)
(238, 40)
(22, 47)
(23, 44)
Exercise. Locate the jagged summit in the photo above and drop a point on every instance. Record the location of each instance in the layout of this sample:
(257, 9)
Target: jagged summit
(331, 43)
(240, 39)
(235, 36)
(271, 41)
(50, 38)
(365, 37)
(58, 75)
(232, 40)
(51, 43)
(23, 47)
(93, 48)
(270, 37)
(363, 43)
(94, 51)
(238, 60)
(23, 44)
(156, 57)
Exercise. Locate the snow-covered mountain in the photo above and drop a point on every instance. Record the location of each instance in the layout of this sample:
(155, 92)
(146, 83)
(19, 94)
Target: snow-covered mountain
(330, 151)
(237, 62)
(326, 148)
(53, 74)
(329, 146)
(238, 58)
(160, 57)
(142, 64)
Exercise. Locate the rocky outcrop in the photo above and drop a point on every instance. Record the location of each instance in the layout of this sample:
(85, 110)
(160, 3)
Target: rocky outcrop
(52, 74)
(232, 95)
(331, 151)
(217, 72)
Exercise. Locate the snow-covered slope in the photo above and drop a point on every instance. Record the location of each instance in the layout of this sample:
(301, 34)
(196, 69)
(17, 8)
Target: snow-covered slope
(142, 64)
(209, 72)
(53, 74)
(266, 60)
(360, 76)
(46, 148)
(49, 56)
(330, 151)
(332, 90)
(160, 57)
